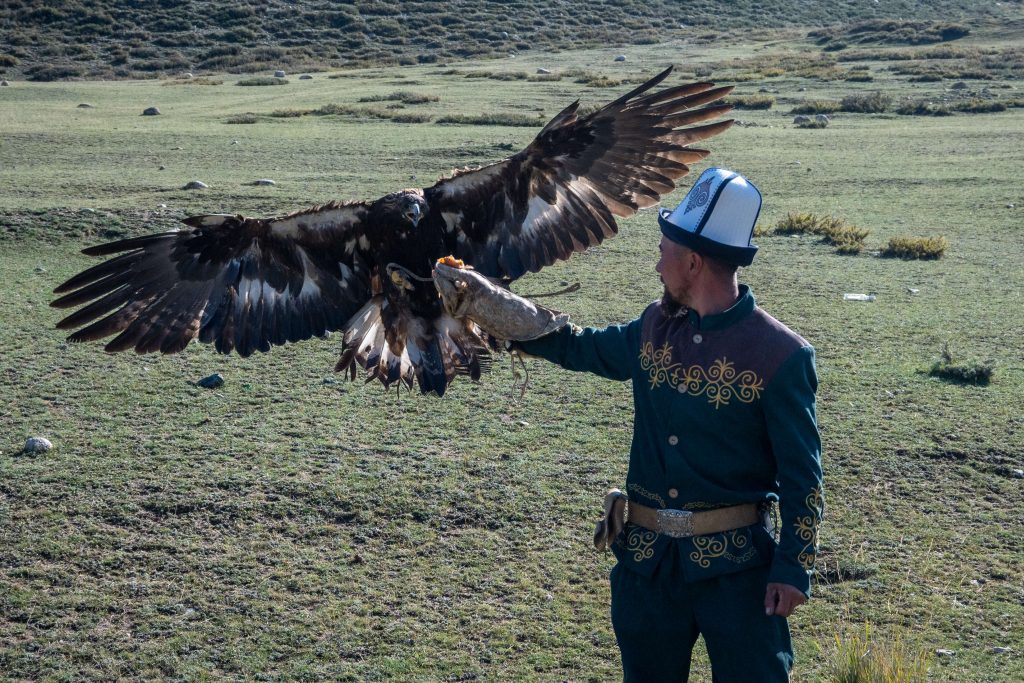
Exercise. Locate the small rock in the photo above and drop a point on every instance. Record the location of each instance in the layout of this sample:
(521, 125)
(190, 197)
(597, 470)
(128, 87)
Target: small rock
(800, 118)
(801, 89)
(161, 168)
(913, 290)
(187, 76)
(945, 653)
(37, 444)
(211, 382)
(234, 142)
(195, 185)
(40, 269)
(822, 118)
(163, 206)
(524, 423)
(86, 105)
(264, 181)
(997, 650)
(515, 36)
(504, 34)
(620, 58)
(1017, 474)
(305, 77)
(278, 74)
(151, 111)
(2, 83)
(858, 297)
(543, 71)
(1009, 206)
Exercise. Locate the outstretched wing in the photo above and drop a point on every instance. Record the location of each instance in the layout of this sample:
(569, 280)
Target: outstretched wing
(561, 194)
(241, 283)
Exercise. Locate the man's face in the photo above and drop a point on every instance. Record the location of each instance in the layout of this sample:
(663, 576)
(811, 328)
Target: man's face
(676, 270)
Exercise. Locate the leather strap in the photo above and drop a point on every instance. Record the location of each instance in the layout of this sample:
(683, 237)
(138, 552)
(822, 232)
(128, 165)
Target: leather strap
(683, 524)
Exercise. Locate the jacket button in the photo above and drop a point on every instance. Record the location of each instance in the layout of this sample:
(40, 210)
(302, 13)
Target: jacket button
(697, 339)
(673, 440)
(672, 493)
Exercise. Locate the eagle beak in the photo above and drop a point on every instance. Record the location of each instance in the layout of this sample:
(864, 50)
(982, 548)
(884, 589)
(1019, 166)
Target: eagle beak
(414, 215)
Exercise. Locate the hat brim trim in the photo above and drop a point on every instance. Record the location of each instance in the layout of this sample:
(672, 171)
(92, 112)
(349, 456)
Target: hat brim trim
(740, 256)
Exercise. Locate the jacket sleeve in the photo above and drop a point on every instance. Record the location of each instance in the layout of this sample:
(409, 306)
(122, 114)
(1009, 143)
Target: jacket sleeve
(609, 352)
(789, 406)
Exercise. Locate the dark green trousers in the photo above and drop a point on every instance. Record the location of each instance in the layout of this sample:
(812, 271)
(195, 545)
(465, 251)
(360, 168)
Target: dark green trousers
(657, 621)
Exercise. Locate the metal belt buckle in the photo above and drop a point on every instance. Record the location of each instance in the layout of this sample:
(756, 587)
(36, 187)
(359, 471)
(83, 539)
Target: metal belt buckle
(675, 523)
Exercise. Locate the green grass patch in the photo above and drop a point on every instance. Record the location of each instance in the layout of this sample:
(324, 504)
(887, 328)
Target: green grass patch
(866, 103)
(403, 96)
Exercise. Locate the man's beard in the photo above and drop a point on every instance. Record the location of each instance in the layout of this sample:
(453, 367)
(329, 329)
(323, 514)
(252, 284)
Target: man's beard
(670, 306)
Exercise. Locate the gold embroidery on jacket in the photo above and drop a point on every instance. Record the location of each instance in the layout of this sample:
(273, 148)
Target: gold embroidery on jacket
(807, 528)
(640, 542)
(720, 383)
(636, 488)
(658, 364)
(722, 545)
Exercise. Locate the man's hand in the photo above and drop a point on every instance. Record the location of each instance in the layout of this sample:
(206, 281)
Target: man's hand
(781, 599)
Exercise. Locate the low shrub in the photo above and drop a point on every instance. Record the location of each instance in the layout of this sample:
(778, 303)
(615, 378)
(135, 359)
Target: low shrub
(750, 101)
(402, 96)
(870, 103)
(263, 80)
(797, 224)
(410, 117)
(496, 119)
(812, 124)
(247, 117)
(816, 107)
(834, 231)
(922, 108)
(975, 372)
(868, 659)
(978, 106)
(859, 77)
(916, 248)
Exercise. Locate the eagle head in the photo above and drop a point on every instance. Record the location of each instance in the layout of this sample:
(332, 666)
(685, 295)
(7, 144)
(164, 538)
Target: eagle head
(405, 208)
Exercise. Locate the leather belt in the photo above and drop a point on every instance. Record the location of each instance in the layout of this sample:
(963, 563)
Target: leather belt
(684, 523)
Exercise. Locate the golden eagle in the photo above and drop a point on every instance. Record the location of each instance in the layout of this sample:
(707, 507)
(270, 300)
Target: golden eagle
(363, 267)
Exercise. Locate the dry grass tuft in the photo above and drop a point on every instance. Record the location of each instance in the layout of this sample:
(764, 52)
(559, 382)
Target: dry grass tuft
(911, 248)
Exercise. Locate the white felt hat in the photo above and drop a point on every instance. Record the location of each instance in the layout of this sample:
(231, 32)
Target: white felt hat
(716, 217)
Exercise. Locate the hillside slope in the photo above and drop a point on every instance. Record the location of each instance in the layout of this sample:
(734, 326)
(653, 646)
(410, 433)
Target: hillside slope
(140, 38)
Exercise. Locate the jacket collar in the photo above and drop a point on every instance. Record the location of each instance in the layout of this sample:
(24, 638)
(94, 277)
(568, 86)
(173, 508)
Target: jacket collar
(743, 307)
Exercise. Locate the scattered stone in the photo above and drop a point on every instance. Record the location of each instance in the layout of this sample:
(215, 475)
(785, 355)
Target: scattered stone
(278, 74)
(997, 650)
(86, 105)
(858, 297)
(801, 89)
(37, 444)
(187, 76)
(945, 653)
(504, 35)
(1017, 474)
(515, 36)
(211, 382)
(2, 83)
(305, 77)
(543, 71)
(800, 118)
(40, 269)
(161, 168)
(163, 206)
(823, 118)
(1009, 206)
(620, 58)
(234, 142)
(913, 290)
(195, 185)
(151, 111)
(264, 181)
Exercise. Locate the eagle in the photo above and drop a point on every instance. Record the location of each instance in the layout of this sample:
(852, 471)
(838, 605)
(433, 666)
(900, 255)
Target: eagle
(363, 267)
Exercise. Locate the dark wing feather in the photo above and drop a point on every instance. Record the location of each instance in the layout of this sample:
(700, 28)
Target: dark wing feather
(239, 283)
(562, 193)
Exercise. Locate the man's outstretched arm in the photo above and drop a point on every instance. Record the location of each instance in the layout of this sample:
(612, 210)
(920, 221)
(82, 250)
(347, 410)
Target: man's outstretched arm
(608, 352)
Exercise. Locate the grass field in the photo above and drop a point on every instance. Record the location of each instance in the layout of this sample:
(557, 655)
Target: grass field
(293, 525)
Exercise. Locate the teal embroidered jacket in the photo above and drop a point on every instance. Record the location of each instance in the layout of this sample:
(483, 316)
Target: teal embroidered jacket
(724, 414)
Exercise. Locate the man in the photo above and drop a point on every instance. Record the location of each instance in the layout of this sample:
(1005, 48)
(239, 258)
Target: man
(724, 425)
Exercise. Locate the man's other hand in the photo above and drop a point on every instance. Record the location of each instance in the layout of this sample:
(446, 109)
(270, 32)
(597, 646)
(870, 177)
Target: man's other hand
(781, 599)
